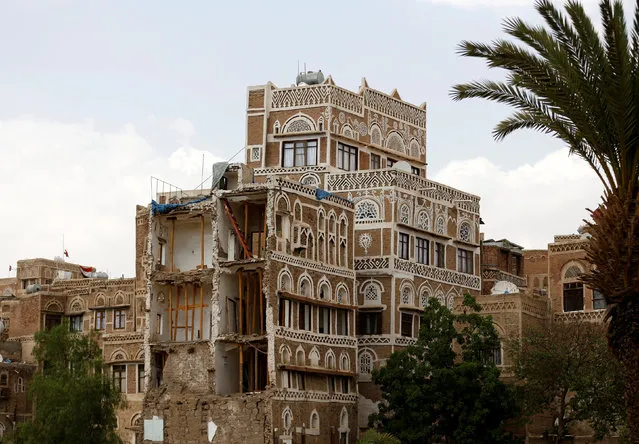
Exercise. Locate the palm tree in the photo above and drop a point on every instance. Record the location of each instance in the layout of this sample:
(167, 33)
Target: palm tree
(566, 79)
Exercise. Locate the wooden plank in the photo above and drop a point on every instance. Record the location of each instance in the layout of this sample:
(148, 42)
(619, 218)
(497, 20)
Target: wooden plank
(240, 291)
(260, 294)
(202, 240)
(201, 312)
(241, 368)
(192, 314)
(172, 242)
(171, 312)
(255, 296)
(246, 233)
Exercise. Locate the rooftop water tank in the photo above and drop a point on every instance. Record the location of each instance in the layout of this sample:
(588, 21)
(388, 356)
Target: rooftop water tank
(310, 78)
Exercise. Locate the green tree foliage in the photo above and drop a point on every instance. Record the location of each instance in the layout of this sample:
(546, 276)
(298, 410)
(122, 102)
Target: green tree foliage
(75, 401)
(566, 79)
(374, 437)
(569, 370)
(429, 395)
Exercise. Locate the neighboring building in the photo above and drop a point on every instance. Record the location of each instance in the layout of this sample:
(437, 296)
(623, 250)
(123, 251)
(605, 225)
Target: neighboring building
(47, 291)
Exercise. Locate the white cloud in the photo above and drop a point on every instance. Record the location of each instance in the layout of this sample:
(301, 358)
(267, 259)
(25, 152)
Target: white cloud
(73, 179)
(183, 128)
(531, 203)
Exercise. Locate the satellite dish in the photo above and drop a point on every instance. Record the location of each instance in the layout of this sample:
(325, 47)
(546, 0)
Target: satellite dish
(504, 287)
(402, 165)
(219, 168)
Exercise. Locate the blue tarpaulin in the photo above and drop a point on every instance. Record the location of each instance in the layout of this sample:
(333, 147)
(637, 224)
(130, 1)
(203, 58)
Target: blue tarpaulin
(165, 208)
(321, 194)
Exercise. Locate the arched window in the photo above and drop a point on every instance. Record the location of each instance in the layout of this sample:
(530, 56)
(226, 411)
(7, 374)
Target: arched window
(451, 302)
(297, 214)
(342, 295)
(330, 359)
(414, 148)
(407, 295)
(404, 214)
(344, 362)
(372, 294)
(376, 135)
(365, 362)
(441, 226)
(287, 420)
(423, 298)
(276, 127)
(423, 220)
(314, 357)
(300, 358)
(573, 289)
(306, 287)
(496, 355)
(395, 142)
(285, 282)
(314, 422)
(324, 292)
(465, 233)
(285, 353)
(4, 379)
(366, 209)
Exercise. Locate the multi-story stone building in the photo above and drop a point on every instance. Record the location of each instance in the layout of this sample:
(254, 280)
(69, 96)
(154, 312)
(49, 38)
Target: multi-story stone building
(43, 293)
(413, 238)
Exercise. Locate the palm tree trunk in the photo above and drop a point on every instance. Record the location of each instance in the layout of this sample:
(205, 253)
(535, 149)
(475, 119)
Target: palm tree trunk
(625, 344)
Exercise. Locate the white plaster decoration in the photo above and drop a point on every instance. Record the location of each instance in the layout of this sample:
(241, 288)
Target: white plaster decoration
(395, 142)
(285, 354)
(342, 294)
(376, 135)
(285, 281)
(342, 118)
(313, 396)
(441, 227)
(366, 209)
(437, 274)
(312, 265)
(276, 127)
(573, 272)
(451, 301)
(372, 294)
(465, 232)
(314, 357)
(287, 420)
(347, 131)
(362, 128)
(365, 241)
(299, 124)
(404, 214)
(313, 338)
(423, 220)
(373, 263)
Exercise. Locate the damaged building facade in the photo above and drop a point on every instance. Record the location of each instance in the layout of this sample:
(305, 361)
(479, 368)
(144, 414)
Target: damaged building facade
(271, 299)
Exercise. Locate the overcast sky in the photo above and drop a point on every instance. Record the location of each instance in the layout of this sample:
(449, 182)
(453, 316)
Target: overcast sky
(98, 95)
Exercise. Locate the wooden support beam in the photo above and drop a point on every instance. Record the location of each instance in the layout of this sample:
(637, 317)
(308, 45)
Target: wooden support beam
(248, 300)
(246, 233)
(256, 370)
(240, 291)
(255, 296)
(264, 234)
(241, 368)
(172, 243)
(201, 312)
(261, 296)
(171, 312)
(202, 240)
(193, 315)
(228, 320)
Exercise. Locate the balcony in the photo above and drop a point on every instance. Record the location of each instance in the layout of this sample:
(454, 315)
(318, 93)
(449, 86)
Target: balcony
(494, 274)
(389, 177)
(390, 264)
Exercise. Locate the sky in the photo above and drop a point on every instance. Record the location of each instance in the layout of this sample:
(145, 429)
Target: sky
(97, 96)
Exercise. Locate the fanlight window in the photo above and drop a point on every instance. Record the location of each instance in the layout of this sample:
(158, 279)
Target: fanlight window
(423, 299)
(366, 209)
(372, 294)
(464, 232)
(572, 272)
(407, 295)
(423, 221)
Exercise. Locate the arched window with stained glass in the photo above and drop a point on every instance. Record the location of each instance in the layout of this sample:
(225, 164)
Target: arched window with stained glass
(441, 225)
(404, 214)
